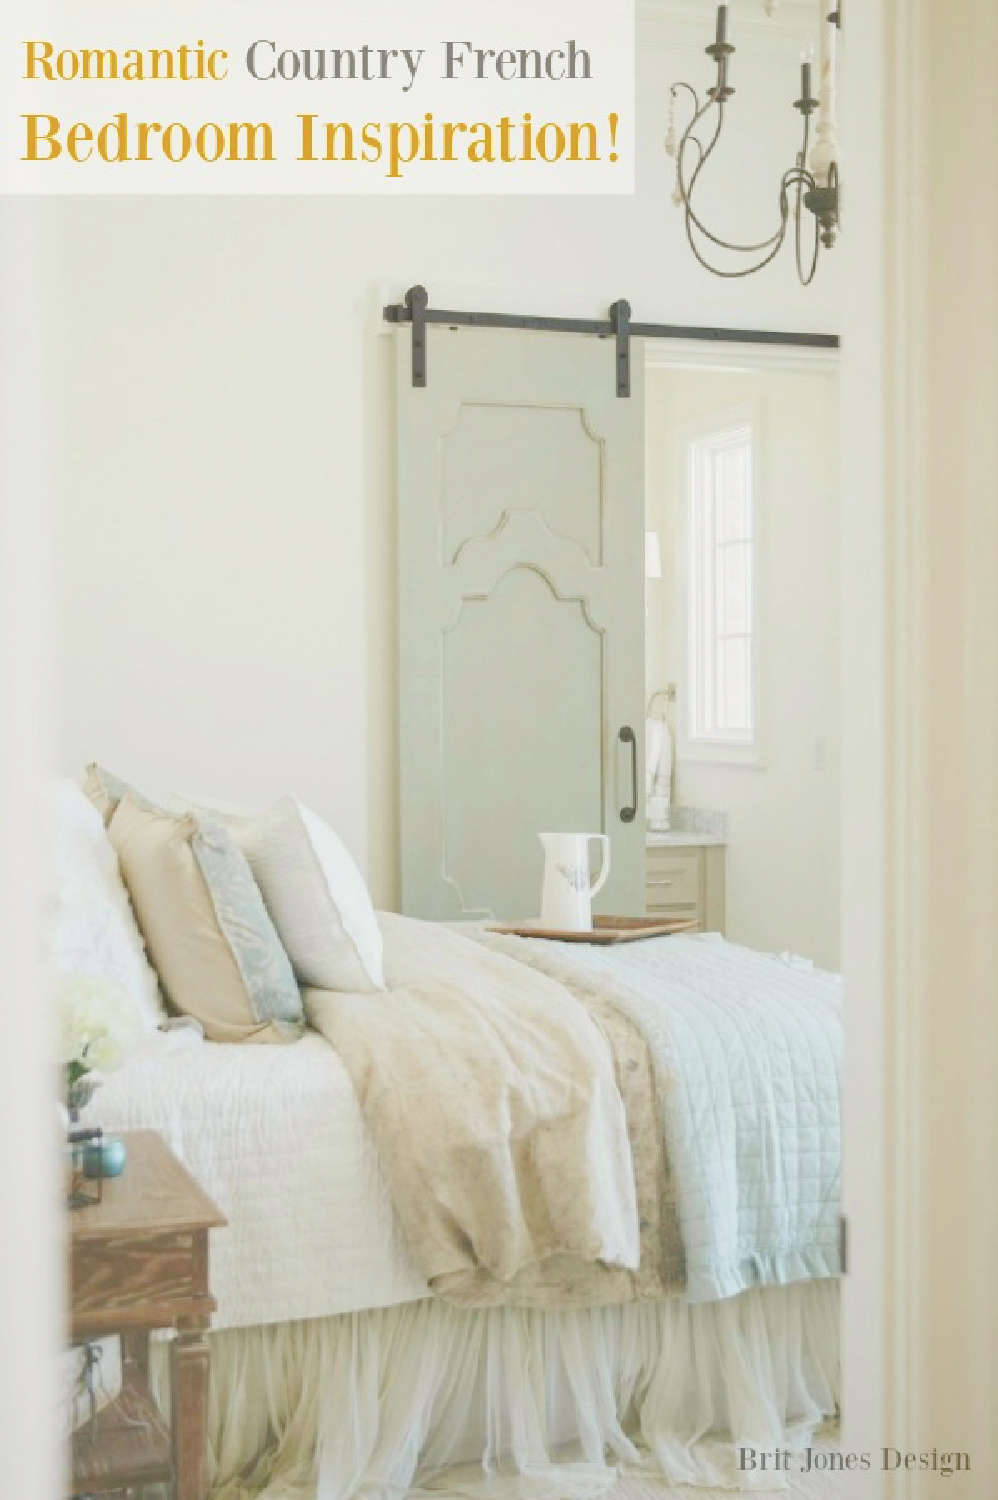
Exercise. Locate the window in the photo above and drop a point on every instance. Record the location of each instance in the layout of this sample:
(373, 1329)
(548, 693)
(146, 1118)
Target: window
(721, 593)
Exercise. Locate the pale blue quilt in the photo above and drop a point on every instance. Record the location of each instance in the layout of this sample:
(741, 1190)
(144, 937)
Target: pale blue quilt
(747, 1049)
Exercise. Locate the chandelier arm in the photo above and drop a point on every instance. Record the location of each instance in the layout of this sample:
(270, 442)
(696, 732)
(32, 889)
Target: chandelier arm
(794, 177)
(800, 178)
(688, 140)
(802, 160)
(688, 132)
(687, 136)
(805, 179)
(806, 277)
(681, 83)
(733, 274)
(702, 154)
(775, 239)
(687, 193)
(687, 187)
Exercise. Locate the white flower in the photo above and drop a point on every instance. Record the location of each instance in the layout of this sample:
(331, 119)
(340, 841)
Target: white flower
(97, 1020)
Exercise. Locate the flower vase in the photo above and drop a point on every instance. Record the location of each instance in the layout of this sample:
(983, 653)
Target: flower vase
(78, 1095)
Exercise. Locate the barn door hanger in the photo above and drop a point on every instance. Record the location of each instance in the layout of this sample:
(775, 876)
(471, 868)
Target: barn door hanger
(415, 309)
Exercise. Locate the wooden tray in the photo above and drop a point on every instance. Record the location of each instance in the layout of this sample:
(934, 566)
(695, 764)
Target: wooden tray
(606, 930)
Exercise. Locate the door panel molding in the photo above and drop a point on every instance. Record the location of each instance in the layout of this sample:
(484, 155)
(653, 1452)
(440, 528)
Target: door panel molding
(593, 523)
(520, 655)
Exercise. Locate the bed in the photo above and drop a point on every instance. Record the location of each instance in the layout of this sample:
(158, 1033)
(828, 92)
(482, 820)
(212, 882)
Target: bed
(379, 1321)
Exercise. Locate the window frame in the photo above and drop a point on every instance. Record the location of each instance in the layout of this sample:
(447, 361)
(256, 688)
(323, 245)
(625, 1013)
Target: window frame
(720, 749)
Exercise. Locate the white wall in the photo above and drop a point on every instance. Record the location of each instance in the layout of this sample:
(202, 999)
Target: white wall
(783, 815)
(225, 472)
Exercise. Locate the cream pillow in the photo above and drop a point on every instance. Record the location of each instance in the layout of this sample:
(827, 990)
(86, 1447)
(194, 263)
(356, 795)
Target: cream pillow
(314, 892)
(205, 925)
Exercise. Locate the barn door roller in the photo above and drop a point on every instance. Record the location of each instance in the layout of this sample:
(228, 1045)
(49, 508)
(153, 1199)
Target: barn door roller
(620, 320)
(416, 310)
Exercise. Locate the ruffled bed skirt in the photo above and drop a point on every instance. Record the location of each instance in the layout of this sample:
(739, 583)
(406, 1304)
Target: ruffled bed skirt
(371, 1404)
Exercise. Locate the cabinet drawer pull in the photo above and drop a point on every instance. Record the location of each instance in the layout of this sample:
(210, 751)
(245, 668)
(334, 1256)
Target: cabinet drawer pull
(661, 882)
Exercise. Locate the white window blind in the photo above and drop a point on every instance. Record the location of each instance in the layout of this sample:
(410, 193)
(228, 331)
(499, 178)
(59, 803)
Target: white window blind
(721, 592)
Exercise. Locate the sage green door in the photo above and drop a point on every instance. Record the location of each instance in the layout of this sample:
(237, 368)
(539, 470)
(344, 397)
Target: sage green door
(521, 617)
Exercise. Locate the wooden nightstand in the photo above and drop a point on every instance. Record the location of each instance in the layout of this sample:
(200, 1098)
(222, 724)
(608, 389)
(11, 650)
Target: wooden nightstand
(139, 1261)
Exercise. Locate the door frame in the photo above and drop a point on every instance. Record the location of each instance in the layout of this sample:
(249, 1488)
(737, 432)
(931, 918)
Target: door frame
(32, 1257)
(735, 358)
(919, 334)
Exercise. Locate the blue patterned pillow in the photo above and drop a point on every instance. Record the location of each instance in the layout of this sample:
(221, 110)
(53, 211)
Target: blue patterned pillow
(271, 987)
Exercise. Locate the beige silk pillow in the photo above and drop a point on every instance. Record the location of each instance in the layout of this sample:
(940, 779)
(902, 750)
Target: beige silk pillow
(205, 925)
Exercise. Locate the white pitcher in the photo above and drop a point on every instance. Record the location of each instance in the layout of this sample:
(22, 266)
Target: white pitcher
(566, 903)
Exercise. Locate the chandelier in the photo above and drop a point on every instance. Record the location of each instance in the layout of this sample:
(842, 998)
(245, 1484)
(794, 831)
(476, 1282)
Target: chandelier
(812, 183)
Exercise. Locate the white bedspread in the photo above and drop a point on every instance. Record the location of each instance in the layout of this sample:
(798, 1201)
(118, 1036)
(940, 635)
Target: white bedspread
(275, 1136)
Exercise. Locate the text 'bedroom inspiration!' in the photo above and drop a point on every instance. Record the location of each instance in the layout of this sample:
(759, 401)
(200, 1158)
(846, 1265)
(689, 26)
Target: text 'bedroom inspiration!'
(548, 115)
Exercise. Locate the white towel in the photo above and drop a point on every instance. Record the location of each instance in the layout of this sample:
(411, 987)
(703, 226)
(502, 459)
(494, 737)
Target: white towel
(658, 759)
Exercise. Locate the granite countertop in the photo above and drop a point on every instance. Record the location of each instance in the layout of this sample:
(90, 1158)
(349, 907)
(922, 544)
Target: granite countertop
(676, 840)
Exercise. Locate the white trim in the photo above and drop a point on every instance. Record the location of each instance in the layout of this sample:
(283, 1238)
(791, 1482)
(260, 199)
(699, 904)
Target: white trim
(696, 750)
(734, 358)
(885, 783)
(866, 847)
(907, 505)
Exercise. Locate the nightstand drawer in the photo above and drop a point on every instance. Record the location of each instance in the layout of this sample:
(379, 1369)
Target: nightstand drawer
(118, 1274)
(673, 878)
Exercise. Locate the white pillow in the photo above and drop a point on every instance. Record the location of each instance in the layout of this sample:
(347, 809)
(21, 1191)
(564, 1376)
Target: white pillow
(315, 894)
(90, 927)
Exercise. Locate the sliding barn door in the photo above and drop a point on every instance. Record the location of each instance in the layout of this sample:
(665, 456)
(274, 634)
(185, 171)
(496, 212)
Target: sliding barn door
(521, 589)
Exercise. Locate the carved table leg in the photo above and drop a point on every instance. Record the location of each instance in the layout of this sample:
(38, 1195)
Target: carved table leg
(189, 1365)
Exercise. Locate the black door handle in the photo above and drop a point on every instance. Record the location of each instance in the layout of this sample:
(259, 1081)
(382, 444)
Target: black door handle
(628, 737)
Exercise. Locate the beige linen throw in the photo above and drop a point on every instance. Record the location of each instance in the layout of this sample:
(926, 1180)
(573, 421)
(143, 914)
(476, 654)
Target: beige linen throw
(495, 1102)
